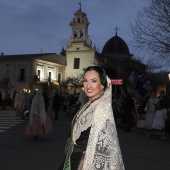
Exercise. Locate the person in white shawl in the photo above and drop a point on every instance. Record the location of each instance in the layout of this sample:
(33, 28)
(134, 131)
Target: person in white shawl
(39, 122)
(94, 141)
(150, 113)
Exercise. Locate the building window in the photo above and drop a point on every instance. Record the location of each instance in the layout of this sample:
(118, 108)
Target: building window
(78, 20)
(59, 77)
(81, 34)
(7, 73)
(49, 76)
(22, 74)
(75, 34)
(76, 63)
(39, 73)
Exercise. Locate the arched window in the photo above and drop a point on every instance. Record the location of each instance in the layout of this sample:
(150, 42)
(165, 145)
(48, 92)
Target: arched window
(81, 34)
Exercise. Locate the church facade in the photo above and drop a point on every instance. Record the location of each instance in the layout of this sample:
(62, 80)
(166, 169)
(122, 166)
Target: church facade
(38, 71)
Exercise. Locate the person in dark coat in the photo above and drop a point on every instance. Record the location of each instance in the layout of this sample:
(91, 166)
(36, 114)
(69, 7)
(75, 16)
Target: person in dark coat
(46, 100)
(13, 99)
(128, 107)
(56, 103)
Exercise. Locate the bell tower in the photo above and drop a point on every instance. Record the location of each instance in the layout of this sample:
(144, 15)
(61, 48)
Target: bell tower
(79, 25)
(79, 51)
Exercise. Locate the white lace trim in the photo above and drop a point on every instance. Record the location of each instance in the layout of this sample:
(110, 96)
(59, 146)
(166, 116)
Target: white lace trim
(103, 150)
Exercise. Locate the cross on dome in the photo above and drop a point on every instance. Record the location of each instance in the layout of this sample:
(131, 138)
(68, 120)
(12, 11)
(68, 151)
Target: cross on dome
(116, 29)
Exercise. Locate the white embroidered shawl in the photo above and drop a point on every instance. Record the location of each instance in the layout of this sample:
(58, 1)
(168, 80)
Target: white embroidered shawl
(103, 150)
(38, 108)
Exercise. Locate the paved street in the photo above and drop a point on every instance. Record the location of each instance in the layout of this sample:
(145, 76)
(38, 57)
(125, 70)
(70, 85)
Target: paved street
(18, 152)
(8, 120)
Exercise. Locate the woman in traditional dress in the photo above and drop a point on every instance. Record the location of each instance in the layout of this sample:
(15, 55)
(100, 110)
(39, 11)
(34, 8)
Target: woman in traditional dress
(94, 142)
(158, 125)
(39, 122)
(150, 113)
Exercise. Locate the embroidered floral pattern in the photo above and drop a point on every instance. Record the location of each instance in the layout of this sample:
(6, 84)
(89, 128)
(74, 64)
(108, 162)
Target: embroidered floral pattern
(106, 153)
(103, 150)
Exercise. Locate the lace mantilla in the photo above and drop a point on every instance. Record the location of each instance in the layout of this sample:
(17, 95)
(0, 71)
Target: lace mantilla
(103, 150)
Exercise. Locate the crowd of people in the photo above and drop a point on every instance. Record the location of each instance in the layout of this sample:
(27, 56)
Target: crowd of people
(127, 109)
(157, 115)
(73, 102)
(33, 105)
(152, 110)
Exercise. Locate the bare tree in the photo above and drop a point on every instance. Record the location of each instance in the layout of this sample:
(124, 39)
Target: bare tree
(151, 29)
(6, 85)
(73, 81)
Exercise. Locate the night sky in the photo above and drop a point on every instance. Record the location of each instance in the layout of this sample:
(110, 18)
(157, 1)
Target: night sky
(35, 26)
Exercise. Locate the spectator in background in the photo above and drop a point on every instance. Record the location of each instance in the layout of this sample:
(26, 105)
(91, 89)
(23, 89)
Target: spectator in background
(73, 99)
(161, 114)
(73, 105)
(128, 108)
(150, 113)
(82, 99)
(46, 100)
(117, 107)
(17, 100)
(13, 99)
(56, 103)
(65, 102)
(5, 100)
(23, 104)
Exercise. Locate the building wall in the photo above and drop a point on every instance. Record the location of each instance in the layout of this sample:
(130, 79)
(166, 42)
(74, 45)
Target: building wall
(86, 59)
(11, 69)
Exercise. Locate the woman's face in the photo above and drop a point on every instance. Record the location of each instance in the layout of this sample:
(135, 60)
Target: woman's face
(92, 85)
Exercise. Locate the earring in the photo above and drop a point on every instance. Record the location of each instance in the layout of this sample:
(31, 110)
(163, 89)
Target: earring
(101, 92)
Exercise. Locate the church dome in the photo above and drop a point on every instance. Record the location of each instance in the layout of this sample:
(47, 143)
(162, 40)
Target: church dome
(115, 45)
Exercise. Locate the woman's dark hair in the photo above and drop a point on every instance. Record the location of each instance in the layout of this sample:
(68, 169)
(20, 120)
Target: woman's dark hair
(101, 72)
